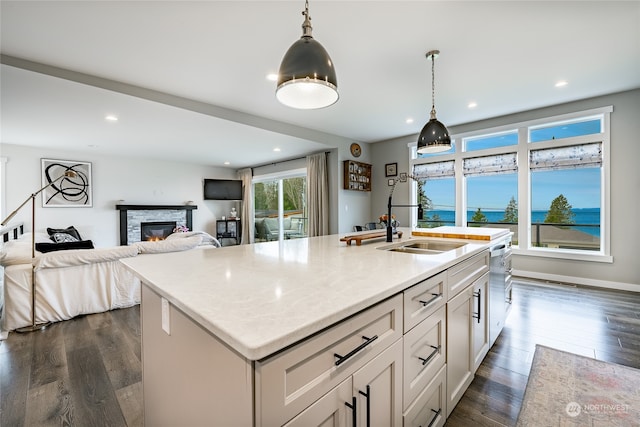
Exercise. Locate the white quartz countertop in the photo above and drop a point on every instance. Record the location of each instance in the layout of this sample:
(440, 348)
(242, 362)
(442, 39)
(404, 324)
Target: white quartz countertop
(264, 297)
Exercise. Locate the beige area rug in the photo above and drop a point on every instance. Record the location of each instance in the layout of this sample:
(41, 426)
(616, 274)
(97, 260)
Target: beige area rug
(565, 389)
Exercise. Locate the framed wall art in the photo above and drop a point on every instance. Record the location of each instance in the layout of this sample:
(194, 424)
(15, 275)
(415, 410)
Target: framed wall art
(68, 184)
(391, 169)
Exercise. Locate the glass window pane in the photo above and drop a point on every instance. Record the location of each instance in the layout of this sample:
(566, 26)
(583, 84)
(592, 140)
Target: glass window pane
(490, 141)
(438, 199)
(565, 209)
(295, 214)
(449, 151)
(492, 201)
(294, 204)
(585, 126)
(266, 210)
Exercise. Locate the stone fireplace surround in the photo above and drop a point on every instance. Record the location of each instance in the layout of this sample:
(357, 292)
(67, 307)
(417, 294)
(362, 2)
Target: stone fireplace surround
(131, 216)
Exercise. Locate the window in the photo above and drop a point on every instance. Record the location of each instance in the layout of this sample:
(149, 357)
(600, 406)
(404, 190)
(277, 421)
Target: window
(546, 180)
(503, 139)
(436, 193)
(492, 191)
(566, 196)
(280, 207)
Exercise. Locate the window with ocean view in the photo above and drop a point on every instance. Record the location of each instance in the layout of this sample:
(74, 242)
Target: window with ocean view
(546, 180)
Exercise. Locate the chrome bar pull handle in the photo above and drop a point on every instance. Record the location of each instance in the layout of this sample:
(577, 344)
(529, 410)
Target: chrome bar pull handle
(478, 295)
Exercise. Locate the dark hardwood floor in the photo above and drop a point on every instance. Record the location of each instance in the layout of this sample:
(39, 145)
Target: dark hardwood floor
(87, 372)
(597, 323)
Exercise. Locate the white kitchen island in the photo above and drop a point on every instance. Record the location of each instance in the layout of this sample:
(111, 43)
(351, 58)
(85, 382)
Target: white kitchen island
(295, 331)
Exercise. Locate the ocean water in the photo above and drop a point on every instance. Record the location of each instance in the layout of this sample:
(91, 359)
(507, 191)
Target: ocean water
(585, 216)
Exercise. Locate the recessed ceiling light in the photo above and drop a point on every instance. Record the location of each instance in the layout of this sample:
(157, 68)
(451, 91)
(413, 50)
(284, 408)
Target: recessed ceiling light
(272, 77)
(409, 121)
(111, 118)
(562, 83)
(276, 149)
(227, 162)
(472, 105)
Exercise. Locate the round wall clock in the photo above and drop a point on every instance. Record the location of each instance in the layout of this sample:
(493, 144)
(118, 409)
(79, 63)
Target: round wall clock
(356, 150)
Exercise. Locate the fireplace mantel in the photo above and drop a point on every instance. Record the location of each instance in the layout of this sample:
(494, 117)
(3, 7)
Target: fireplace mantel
(124, 226)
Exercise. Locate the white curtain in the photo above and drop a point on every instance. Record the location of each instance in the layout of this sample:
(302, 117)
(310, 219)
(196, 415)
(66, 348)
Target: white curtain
(248, 236)
(318, 194)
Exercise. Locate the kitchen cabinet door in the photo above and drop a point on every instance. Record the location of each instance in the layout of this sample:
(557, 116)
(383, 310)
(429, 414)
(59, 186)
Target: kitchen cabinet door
(329, 410)
(459, 345)
(480, 320)
(377, 387)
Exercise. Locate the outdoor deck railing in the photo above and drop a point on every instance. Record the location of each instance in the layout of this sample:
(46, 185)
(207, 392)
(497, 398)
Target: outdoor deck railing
(543, 234)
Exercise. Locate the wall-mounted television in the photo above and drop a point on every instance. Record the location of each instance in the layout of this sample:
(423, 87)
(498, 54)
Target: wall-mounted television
(222, 189)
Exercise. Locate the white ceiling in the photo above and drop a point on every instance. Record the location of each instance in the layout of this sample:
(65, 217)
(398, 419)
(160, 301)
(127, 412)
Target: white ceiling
(197, 70)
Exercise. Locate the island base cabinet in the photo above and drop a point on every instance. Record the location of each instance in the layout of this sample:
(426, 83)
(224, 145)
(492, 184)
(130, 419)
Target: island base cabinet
(371, 397)
(430, 407)
(377, 387)
(459, 346)
(329, 410)
(467, 337)
(189, 377)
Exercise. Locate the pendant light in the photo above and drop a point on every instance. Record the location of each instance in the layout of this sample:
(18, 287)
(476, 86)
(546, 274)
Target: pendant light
(307, 79)
(434, 137)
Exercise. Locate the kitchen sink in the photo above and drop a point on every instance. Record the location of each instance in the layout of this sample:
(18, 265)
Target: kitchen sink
(423, 247)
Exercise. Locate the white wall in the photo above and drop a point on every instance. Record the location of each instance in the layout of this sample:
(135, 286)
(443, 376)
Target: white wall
(115, 180)
(624, 272)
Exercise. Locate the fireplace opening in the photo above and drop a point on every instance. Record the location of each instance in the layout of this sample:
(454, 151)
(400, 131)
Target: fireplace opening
(157, 230)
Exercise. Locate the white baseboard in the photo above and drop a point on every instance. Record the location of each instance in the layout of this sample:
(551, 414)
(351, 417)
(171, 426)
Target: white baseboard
(608, 284)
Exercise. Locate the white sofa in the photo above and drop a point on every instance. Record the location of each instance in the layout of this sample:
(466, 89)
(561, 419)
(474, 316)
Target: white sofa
(74, 282)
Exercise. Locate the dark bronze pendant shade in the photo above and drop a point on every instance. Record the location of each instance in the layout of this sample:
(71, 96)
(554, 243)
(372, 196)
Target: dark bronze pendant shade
(307, 79)
(434, 137)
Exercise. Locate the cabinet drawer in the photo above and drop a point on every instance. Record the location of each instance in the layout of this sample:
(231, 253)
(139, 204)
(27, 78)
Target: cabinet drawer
(462, 274)
(421, 300)
(429, 409)
(425, 349)
(292, 380)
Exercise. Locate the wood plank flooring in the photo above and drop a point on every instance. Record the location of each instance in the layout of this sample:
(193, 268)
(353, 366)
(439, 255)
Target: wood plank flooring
(87, 371)
(597, 323)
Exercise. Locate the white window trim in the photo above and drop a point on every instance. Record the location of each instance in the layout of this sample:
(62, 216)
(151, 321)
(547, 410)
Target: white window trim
(524, 179)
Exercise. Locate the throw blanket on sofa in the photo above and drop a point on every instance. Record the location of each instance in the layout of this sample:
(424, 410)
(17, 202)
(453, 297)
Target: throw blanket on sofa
(77, 281)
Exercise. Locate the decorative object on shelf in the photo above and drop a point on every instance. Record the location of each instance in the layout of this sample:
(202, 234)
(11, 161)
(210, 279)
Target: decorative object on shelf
(403, 177)
(356, 150)
(233, 214)
(66, 174)
(181, 229)
(384, 219)
(434, 137)
(66, 191)
(307, 79)
(357, 176)
(391, 169)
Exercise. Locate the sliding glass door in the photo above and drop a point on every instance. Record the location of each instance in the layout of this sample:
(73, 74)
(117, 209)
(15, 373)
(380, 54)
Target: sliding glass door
(280, 208)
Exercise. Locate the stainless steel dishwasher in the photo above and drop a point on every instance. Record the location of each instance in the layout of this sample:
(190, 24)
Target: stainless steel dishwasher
(500, 293)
